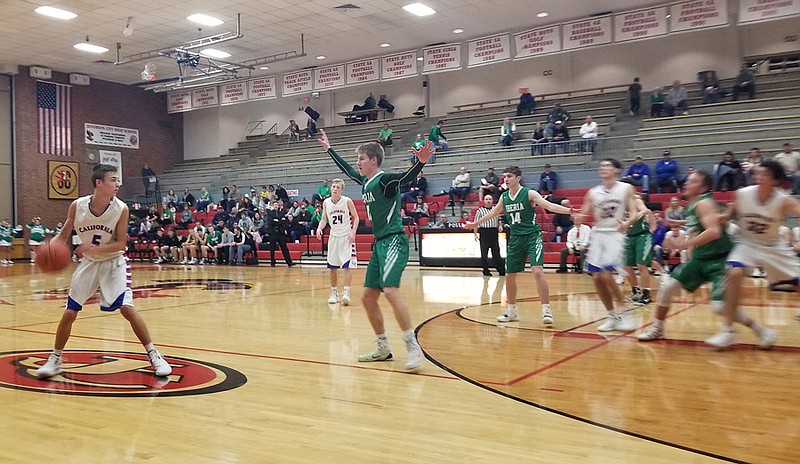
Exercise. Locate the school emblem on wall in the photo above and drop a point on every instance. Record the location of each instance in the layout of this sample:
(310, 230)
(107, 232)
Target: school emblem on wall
(62, 182)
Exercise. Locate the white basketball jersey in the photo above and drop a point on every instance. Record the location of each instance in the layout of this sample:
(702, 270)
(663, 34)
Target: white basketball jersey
(609, 206)
(338, 216)
(760, 222)
(98, 230)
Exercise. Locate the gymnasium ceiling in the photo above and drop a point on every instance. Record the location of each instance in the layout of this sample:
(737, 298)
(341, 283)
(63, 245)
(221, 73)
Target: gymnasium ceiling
(269, 27)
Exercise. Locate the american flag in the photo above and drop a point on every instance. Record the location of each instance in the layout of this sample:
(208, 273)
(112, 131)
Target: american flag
(55, 118)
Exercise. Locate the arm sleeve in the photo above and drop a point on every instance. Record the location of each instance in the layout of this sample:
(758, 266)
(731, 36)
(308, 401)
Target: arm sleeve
(345, 167)
(391, 182)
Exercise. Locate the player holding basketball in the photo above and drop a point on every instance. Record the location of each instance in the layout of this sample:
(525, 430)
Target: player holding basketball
(518, 203)
(340, 212)
(381, 193)
(101, 221)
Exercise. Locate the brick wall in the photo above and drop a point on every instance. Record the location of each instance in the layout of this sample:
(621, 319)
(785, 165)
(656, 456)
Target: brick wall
(161, 140)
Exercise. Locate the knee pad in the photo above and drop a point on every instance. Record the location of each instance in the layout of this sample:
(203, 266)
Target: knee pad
(669, 288)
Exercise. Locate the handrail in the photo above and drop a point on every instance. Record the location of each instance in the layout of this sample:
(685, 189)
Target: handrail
(544, 97)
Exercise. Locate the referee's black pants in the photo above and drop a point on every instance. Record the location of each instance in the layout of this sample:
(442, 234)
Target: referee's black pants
(488, 238)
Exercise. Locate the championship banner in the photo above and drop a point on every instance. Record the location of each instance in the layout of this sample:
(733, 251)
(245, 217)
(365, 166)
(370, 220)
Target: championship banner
(62, 180)
(205, 97)
(442, 58)
(235, 92)
(114, 158)
(399, 66)
(297, 82)
(262, 88)
(362, 71)
(178, 102)
(488, 50)
(537, 42)
(329, 77)
(699, 14)
(641, 24)
(764, 10)
(110, 136)
(587, 33)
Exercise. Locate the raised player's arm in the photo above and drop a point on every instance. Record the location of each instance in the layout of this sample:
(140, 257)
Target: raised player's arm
(119, 241)
(536, 199)
(496, 211)
(354, 215)
(69, 223)
(709, 216)
(323, 221)
(340, 162)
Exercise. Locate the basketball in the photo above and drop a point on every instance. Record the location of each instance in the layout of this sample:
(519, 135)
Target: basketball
(53, 257)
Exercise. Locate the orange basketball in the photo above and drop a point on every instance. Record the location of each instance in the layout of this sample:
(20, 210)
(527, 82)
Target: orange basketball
(53, 256)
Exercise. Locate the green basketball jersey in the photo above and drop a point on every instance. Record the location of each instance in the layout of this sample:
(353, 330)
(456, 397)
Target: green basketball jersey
(717, 248)
(639, 227)
(383, 210)
(520, 214)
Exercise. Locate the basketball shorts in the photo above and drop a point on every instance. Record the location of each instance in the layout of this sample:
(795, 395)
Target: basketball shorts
(113, 276)
(639, 249)
(780, 263)
(696, 272)
(520, 247)
(388, 261)
(605, 251)
(341, 253)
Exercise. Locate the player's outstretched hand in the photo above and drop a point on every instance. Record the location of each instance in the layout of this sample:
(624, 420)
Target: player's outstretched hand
(424, 153)
(323, 140)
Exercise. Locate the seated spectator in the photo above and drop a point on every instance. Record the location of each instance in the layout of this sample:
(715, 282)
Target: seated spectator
(556, 114)
(790, 159)
(420, 209)
(526, 103)
(507, 132)
(417, 188)
(323, 192)
(170, 197)
(667, 174)
(562, 223)
(578, 239)
(710, 85)
(588, 133)
(674, 211)
(538, 140)
(294, 131)
(460, 187)
(728, 173)
(436, 136)
(417, 144)
(203, 201)
(676, 101)
(311, 128)
(639, 174)
(490, 185)
(745, 82)
(657, 99)
(749, 165)
(635, 96)
(548, 180)
(560, 139)
(385, 136)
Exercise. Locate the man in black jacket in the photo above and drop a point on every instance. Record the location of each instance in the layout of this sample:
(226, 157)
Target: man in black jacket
(277, 226)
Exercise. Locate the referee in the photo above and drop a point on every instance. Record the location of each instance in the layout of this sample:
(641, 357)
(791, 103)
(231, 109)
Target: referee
(488, 237)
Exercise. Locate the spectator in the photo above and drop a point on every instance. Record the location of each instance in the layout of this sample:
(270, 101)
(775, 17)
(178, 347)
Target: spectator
(204, 200)
(385, 136)
(635, 96)
(323, 192)
(460, 187)
(490, 185)
(560, 137)
(745, 82)
(149, 179)
(311, 128)
(556, 114)
(749, 165)
(507, 132)
(728, 173)
(710, 85)
(538, 140)
(674, 211)
(588, 132)
(417, 188)
(667, 173)
(548, 180)
(294, 131)
(436, 136)
(562, 222)
(417, 144)
(188, 198)
(639, 174)
(420, 209)
(676, 100)
(790, 159)
(527, 104)
(657, 99)
(578, 239)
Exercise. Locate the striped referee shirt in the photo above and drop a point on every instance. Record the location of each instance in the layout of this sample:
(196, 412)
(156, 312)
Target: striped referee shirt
(491, 223)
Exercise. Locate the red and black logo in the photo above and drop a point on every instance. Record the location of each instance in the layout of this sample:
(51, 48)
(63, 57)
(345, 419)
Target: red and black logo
(115, 374)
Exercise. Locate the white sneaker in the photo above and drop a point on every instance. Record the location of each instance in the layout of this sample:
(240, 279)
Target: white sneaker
(766, 338)
(334, 298)
(160, 366)
(415, 354)
(547, 317)
(652, 334)
(611, 323)
(722, 339)
(50, 368)
(381, 353)
(509, 316)
(346, 298)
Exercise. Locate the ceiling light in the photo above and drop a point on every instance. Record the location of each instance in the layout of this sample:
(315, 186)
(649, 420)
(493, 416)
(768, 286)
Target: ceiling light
(419, 9)
(91, 48)
(542, 14)
(214, 53)
(205, 20)
(321, 57)
(54, 12)
(264, 68)
(458, 30)
(386, 45)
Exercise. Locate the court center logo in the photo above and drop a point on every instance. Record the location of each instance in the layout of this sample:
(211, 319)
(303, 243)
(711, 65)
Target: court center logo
(115, 374)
